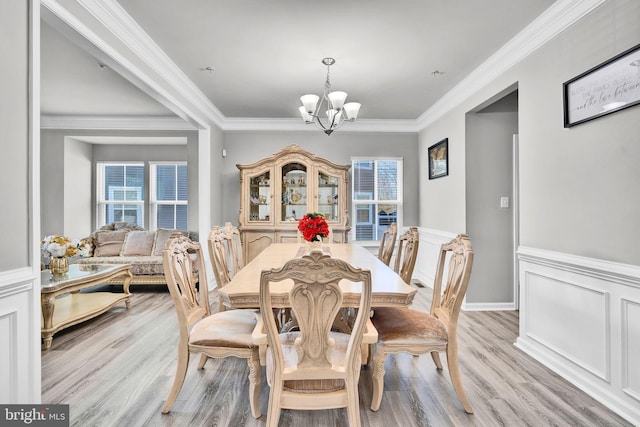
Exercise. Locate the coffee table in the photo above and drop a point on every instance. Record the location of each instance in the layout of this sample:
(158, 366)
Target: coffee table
(63, 304)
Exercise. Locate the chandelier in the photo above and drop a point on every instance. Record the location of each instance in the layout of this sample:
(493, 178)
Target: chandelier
(332, 105)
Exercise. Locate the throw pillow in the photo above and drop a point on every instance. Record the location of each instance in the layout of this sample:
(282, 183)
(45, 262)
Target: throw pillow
(109, 243)
(138, 243)
(162, 235)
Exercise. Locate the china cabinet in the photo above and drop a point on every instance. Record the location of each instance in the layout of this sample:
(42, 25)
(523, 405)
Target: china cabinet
(277, 191)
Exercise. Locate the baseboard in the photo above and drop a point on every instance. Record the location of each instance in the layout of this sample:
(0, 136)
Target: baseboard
(488, 306)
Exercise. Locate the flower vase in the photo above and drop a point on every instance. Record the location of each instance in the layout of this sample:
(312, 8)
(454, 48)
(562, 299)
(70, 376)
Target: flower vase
(59, 265)
(314, 246)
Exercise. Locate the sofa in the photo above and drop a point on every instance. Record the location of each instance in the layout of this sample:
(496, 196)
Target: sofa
(124, 243)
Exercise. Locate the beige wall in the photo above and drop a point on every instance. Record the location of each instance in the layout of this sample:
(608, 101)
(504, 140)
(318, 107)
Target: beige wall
(578, 186)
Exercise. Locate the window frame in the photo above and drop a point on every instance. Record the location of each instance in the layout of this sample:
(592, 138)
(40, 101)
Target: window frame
(101, 200)
(375, 201)
(154, 202)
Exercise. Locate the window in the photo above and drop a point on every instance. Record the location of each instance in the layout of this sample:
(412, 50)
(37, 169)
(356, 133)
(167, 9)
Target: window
(120, 195)
(377, 196)
(169, 195)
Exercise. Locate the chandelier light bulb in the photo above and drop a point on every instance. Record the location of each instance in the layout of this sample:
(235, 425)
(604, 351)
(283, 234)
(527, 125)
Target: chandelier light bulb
(351, 110)
(337, 98)
(310, 102)
(308, 118)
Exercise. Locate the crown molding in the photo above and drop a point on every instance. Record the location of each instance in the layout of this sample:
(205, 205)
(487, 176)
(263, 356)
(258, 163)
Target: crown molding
(297, 125)
(113, 16)
(115, 20)
(58, 122)
(554, 20)
(114, 123)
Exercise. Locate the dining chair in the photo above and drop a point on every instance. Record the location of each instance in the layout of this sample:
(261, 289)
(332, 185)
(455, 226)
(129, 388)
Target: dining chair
(415, 332)
(234, 247)
(407, 254)
(219, 335)
(314, 368)
(388, 243)
(218, 256)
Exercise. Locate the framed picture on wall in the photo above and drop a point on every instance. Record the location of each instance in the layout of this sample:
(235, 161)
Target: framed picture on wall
(439, 159)
(606, 88)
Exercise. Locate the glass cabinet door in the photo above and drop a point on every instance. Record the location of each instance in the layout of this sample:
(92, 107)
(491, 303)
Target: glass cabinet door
(328, 190)
(294, 192)
(260, 197)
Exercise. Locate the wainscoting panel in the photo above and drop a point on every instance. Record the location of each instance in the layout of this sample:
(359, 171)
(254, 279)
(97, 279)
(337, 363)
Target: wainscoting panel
(631, 348)
(20, 349)
(580, 317)
(570, 320)
(8, 356)
(428, 252)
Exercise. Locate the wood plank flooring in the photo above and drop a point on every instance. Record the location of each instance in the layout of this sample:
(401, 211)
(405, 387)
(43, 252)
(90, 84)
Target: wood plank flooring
(117, 370)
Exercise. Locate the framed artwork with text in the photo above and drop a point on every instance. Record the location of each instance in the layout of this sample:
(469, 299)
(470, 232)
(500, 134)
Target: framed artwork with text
(606, 88)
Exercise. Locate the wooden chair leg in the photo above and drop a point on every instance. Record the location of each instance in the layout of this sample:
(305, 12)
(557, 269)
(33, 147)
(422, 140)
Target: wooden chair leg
(255, 380)
(181, 373)
(436, 359)
(203, 360)
(273, 411)
(456, 379)
(377, 377)
(353, 403)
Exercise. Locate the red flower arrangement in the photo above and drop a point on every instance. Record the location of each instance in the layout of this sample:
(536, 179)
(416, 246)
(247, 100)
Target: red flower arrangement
(313, 226)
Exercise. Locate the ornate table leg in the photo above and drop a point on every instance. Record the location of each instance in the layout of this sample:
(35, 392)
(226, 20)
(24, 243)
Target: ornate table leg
(125, 288)
(48, 302)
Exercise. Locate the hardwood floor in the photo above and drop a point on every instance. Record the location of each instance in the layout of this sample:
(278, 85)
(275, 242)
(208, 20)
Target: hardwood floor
(117, 370)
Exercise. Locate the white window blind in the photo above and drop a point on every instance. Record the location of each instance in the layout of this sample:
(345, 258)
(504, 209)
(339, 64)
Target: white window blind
(377, 196)
(120, 193)
(169, 195)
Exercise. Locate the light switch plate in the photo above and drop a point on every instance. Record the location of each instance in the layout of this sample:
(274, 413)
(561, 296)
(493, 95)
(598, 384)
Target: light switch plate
(504, 202)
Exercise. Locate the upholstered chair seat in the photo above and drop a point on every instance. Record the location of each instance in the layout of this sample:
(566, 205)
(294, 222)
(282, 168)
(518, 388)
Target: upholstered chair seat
(231, 329)
(406, 327)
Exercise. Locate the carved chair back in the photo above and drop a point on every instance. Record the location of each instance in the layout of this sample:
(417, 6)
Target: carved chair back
(388, 243)
(447, 302)
(218, 256)
(181, 257)
(407, 254)
(234, 247)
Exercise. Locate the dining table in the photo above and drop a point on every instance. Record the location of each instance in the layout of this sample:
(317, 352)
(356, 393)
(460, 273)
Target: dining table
(388, 288)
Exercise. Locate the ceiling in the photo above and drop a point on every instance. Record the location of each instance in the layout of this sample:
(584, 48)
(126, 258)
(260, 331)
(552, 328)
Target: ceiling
(395, 58)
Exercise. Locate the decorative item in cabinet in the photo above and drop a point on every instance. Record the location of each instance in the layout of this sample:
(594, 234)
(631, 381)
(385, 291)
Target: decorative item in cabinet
(328, 191)
(260, 197)
(298, 182)
(294, 191)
